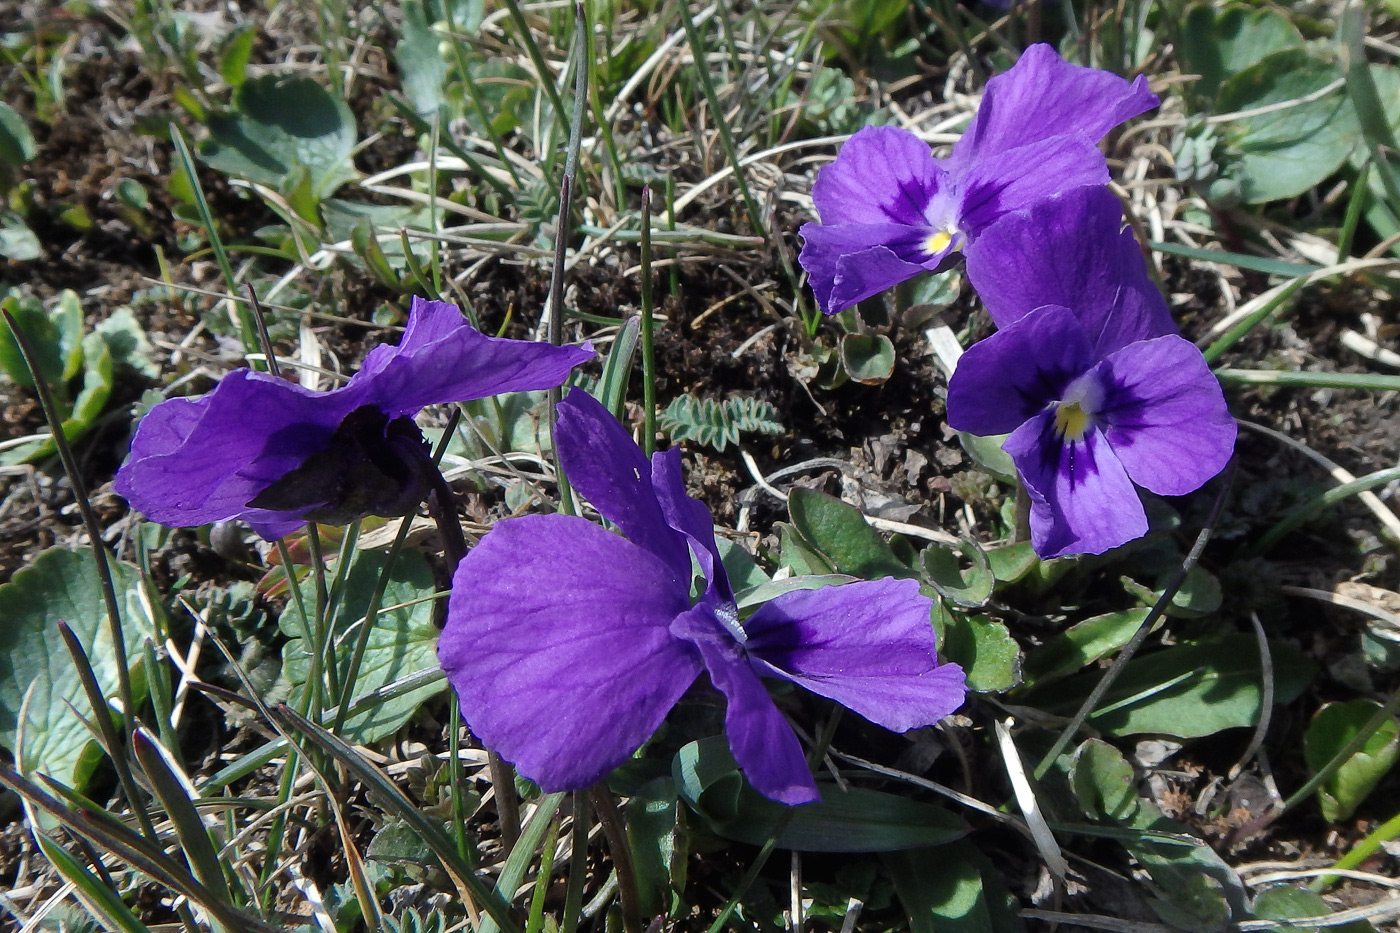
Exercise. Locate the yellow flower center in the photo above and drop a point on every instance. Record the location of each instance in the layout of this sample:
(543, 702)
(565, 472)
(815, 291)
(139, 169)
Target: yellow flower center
(938, 242)
(1071, 421)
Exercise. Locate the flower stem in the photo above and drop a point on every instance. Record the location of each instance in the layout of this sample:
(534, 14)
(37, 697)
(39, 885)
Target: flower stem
(648, 336)
(611, 820)
(1086, 709)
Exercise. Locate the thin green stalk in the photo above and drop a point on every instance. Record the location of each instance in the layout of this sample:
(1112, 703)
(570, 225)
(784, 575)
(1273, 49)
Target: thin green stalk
(474, 97)
(113, 743)
(648, 334)
(1356, 744)
(1356, 206)
(457, 783)
(535, 922)
(1237, 333)
(673, 274)
(578, 865)
(1086, 709)
(1360, 852)
(1375, 382)
(1365, 100)
(357, 653)
(561, 237)
(731, 153)
(1310, 508)
(814, 760)
(610, 818)
(247, 328)
(699, 53)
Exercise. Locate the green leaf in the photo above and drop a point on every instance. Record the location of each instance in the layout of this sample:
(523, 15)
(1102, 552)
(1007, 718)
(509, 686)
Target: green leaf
(853, 820)
(798, 556)
(840, 532)
(421, 67)
(951, 889)
(1011, 562)
(985, 650)
(233, 63)
(1185, 691)
(657, 843)
(1334, 726)
(16, 142)
(98, 380)
(1284, 152)
(43, 333)
(970, 587)
(1216, 44)
(986, 452)
(1284, 902)
(1103, 782)
(127, 342)
(1081, 645)
(743, 570)
(17, 241)
(279, 124)
(867, 358)
(1199, 594)
(96, 895)
(403, 642)
(718, 424)
(60, 585)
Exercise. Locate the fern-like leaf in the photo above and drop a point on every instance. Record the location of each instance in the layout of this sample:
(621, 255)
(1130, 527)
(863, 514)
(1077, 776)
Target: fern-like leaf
(719, 424)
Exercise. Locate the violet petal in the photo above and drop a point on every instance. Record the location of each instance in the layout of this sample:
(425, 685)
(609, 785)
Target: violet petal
(848, 263)
(867, 645)
(1007, 378)
(1165, 416)
(1082, 501)
(557, 643)
(1022, 177)
(691, 518)
(883, 174)
(764, 745)
(459, 365)
(1043, 95)
(602, 462)
(195, 461)
(1070, 250)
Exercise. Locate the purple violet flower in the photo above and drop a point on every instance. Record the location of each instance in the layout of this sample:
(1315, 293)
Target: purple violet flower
(275, 454)
(1087, 374)
(890, 210)
(568, 645)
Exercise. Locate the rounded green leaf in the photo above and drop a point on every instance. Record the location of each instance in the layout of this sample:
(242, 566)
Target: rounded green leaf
(1331, 729)
(60, 585)
(867, 358)
(1286, 142)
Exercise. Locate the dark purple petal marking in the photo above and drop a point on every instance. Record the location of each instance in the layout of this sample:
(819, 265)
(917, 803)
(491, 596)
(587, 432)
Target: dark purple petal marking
(1002, 381)
(1082, 501)
(1165, 416)
(848, 263)
(1020, 178)
(867, 645)
(883, 174)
